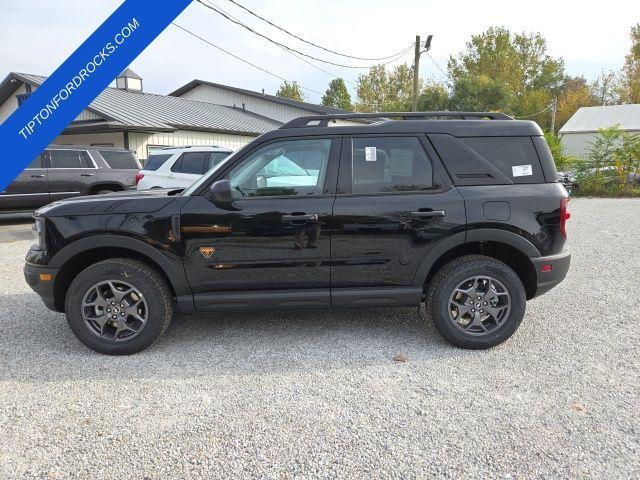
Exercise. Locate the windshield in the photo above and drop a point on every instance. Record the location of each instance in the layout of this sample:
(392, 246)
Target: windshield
(203, 179)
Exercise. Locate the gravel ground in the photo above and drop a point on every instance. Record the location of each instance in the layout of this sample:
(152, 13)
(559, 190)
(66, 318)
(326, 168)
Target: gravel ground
(317, 394)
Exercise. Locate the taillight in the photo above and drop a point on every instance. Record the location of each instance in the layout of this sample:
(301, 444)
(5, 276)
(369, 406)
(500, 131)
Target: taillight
(564, 216)
(139, 176)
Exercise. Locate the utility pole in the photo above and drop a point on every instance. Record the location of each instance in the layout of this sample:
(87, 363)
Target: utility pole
(416, 73)
(416, 68)
(554, 109)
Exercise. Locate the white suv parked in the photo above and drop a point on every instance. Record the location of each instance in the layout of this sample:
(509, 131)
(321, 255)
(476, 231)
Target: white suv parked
(179, 167)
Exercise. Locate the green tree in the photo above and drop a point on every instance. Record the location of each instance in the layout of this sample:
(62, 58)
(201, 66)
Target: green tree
(517, 64)
(629, 87)
(479, 93)
(605, 90)
(337, 95)
(433, 97)
(381, 91)
(575, 94)
(290, 90)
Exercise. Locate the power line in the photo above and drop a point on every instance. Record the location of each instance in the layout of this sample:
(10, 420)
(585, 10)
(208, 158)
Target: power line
(242, 59)
(537, 113)
(446, 75)
(243, 25)
(309, 42)
(331, 74)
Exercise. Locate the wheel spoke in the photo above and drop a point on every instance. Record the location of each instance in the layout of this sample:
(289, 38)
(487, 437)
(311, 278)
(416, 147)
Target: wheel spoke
(114, 298)
(483, 301)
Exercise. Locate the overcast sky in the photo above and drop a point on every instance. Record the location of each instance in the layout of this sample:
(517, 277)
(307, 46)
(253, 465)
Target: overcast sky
(37, 36)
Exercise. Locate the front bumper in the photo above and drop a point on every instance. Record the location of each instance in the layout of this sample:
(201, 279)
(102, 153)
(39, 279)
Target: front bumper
(550, 271)
(36, 276)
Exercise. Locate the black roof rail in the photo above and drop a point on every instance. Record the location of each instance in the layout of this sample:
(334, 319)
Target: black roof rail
(323, 120)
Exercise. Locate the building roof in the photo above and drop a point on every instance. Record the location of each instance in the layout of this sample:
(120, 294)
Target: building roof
(311, 107)
(130, 74)
(590, 119)
(126, 110)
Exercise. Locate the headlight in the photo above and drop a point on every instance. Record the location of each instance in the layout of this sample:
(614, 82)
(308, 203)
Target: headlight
(39, 232)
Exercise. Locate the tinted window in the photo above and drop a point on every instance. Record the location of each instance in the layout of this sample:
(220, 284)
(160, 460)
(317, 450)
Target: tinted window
(154, 162)
(216, 158)
(66, 159)
(270, 171)
(117, 159)
(515, 157)
(36, 162)
(191, 162)
(392, 164)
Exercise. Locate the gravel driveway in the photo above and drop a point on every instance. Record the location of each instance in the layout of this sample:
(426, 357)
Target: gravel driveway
(306, 394)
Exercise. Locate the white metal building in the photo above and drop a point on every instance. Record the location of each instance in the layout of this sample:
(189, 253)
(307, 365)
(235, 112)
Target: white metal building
(130, 118)
(271, 106)
(582, 127)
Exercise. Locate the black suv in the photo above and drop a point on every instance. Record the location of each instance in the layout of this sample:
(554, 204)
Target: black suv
(459, 210)
(64, 171)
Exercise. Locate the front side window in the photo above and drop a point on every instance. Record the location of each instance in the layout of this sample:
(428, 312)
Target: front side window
(216, 158)
(274, 171)
(66, 159)
(390, 164)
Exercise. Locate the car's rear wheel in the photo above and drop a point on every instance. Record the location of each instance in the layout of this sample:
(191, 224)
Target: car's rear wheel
(118, 306)
(476, 302)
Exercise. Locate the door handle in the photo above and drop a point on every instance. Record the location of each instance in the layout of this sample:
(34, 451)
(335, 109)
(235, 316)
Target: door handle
(86, 174)
(299, 217)
(37, 176)
(427, 214)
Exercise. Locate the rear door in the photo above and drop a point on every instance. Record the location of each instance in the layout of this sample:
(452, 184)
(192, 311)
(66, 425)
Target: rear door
(394, 204)
(188, 168)
(29, 191)
(71, 173)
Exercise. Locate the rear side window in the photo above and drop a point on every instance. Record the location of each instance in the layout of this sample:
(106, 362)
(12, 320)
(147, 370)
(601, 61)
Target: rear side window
(68, 159)
(192, 163)
(515, 157)
(154, 162)
(390, 164)
(117, 159)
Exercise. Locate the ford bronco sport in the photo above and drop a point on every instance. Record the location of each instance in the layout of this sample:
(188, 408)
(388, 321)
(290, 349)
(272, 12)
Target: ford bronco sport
(459, 210)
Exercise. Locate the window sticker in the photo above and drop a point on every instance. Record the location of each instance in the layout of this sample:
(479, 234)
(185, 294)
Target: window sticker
(522, 170)
(370, 154)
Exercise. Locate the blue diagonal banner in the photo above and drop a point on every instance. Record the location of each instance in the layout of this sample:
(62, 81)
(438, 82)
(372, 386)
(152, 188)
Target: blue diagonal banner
(80, 79)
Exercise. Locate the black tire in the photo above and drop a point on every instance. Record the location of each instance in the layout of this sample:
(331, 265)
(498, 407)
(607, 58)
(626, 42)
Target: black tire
(103, 192)
(145, 280)
(452, 275)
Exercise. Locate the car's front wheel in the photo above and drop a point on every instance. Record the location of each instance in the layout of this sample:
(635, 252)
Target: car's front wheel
(476, 302)
(118, 306)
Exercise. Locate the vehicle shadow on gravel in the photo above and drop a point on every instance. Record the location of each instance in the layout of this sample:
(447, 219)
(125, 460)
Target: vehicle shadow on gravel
(37, 344)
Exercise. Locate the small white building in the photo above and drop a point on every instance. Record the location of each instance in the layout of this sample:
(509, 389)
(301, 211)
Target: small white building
(270, 106)
(128, 117)
(582, 127)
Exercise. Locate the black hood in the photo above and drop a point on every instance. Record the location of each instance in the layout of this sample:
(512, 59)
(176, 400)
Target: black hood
(128, 201)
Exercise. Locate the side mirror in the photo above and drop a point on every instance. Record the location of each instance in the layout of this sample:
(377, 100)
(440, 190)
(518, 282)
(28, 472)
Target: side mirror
(221, 194)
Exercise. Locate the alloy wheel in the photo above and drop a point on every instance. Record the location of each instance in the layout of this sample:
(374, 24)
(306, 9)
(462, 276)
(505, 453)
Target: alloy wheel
(479, 305)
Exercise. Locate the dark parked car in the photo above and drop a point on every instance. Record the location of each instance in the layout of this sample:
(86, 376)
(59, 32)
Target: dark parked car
(461, 211)
(64, 171)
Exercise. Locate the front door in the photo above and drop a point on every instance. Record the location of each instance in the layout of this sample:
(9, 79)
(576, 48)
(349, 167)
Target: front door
(272, 247)
(29, 191)
(393, 204)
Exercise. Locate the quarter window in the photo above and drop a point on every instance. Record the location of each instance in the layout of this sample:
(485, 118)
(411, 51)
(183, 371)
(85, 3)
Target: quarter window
(154, 162)
(116, 159)
(275, 170)
(390, 164)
